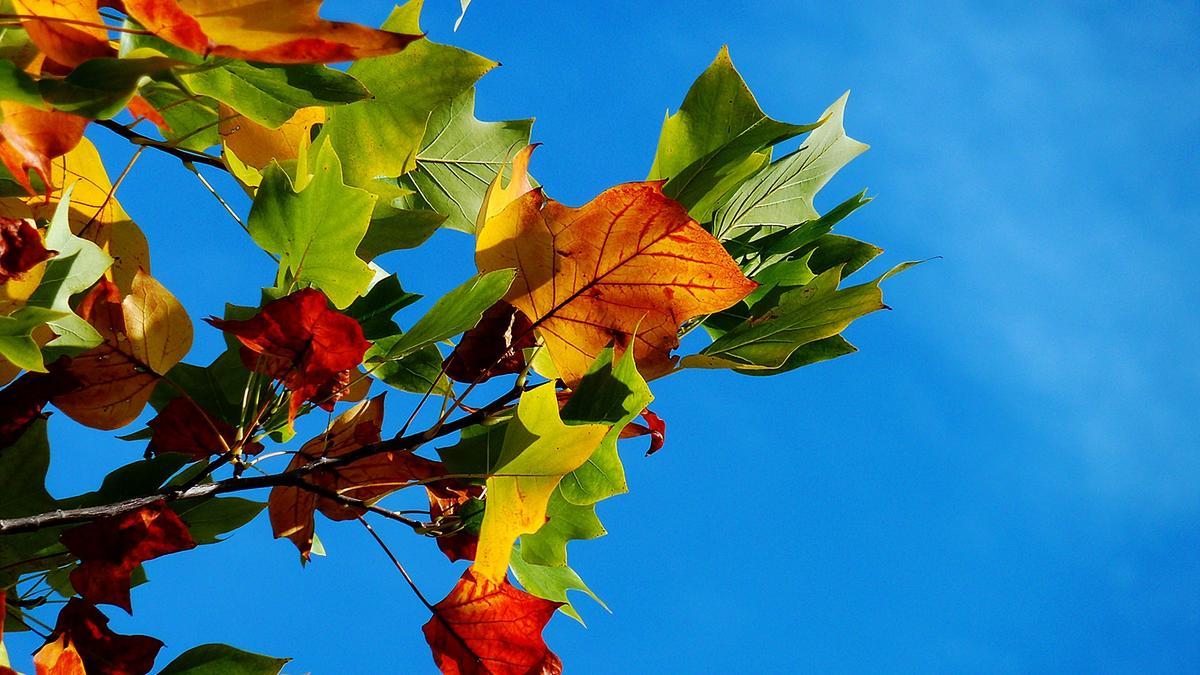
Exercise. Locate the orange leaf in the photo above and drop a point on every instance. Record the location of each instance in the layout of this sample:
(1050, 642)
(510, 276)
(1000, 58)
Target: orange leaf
(300, 341)
(447, 498)
(270, 31)
(82, 631)
(30, 138)
(484, 627)
(630, 262)
(70, 32)
(110, 548)
(144, 334)
(292, 508)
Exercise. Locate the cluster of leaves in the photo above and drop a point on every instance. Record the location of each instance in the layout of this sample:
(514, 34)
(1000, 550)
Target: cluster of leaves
(578, 307)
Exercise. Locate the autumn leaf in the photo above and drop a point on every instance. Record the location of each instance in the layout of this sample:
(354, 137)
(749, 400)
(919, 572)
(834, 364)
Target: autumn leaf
(144, 334)
(486, 627)
(31, 138)
(630, 267)
(68, 33)
(22, 401)
(654, 427)
(303, 343)
(463, 502)
(21, 248)
(110, 548)
(539, 449)
(369, 479)
(268, 31)
(57, 658)
(493, 347)
(184, 427)
(83, 630)
(257, 145)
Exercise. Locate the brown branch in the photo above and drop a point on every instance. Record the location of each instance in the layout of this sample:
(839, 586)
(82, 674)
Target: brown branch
(177, 152)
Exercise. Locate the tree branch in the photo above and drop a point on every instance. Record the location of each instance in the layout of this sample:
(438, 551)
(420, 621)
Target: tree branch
(145, 141)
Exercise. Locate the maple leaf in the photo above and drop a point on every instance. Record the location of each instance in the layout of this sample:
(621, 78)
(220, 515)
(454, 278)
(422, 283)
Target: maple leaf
(31, 138)
(539, 449)
(268, 31)
(292, 508)
(68, 33)
(144, 334)
(493, 347)
(21, 248)
(110, 548)
(82, 632)
(628, 268)
(486, 627)
(184, 427)
(303, 343)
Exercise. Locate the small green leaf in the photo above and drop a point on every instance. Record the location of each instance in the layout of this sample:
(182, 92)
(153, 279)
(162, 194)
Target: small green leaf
(551, 583)
(218, 659)
(394, 229)
(101, 88)
(270, 94)
(419, 372)
(565, 522)
(208, 519)
(374, 310)
(17, 85)
(23, 467)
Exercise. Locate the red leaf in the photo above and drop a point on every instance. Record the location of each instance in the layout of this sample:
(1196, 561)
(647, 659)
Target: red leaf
(21, 248)
(83, 629)
(446, 498)
(493, 347)
(109, 549)
(482, 627)
(655, 427)
(302, 342)
(22, 401)
(184, 427)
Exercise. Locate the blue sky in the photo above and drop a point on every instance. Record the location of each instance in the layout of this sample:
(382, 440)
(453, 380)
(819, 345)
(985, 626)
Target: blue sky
(1004, 479)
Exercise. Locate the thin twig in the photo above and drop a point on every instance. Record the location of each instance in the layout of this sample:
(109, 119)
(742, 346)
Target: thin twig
(179, 153)
(395, 561)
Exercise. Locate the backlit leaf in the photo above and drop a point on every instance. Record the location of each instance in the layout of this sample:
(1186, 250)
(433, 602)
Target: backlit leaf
(217, 659)
(83, 629)
(271, 95)
(31, 138)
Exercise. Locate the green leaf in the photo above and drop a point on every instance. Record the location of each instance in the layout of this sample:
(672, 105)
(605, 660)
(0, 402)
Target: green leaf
(315, 229)
(394, 229)
(217, 659)
(269, 94)
(207, 519)
(16, 336)
(78, 265)
(380, 137)
(716, 139)
(832, 250)
(806, 355)
(457, 311)
(782, 194)
(192, 120)
(611, 393)
(459, 158)
(23, 467)
(217, 387)
(477, 451)
(17, 85)
(374, 310)
(101, 88)
(418, 372)
(565, 522)
(551, 583)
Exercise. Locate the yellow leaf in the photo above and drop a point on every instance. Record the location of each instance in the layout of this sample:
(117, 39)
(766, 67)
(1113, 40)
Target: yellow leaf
(257, 145)
(539, 449)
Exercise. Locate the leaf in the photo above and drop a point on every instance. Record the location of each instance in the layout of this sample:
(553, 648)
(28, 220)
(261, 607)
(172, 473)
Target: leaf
(459, 158)
(369, 479)
(374, 310)
(381, 137)
(69, 33)
(270, 31)
(56, 658)
(101, 88)
(145, 334)
(629, 262)
(300, 341)
(17, 343)
(271, 95)
(109, 549)
(550, 582)
(257, 145)
(22, 401)
(457, 311)
(184, 427)
(21, 248)
(493, 347)
(208, 519)
(192, 122)
(539, 449)
(218, 659)
(315, 228)
(485, 627)
(18, 86)
(77, 265)
(565, 522)
(395, 229)
(715, 140)
(31, 138)
(461, 501)
(419, 372)
(23, 467)
(611, 392)
(782, 194)
(81, 626)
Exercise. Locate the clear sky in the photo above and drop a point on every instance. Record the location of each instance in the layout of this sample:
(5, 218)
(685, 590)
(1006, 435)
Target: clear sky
(1005, 479)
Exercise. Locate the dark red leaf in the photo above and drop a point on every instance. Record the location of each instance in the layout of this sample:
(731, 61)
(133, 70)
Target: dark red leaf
(109, 549)
(655, 428)
(184, 427)
(300, 341)
(83, 629)
(447, 499)
(482, 627)
(22, 401)
(21, 248)
(493, 347)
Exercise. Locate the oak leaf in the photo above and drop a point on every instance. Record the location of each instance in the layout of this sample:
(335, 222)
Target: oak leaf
(31, 138)
(144, 334)
(268, 31)
(630, 267)
(491, 627)
(369, 479)
(303, 343)
(110, 548)
(83, 630)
